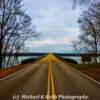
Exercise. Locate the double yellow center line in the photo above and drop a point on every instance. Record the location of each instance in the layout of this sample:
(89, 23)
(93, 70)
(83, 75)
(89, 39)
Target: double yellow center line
(50, 88)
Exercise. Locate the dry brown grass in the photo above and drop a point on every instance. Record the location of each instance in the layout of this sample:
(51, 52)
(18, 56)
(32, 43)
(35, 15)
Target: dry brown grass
(92, 70)
(7, 71)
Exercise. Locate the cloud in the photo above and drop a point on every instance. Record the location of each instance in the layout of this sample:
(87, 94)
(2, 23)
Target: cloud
(48, 42)
(50, 45)
(56, 22)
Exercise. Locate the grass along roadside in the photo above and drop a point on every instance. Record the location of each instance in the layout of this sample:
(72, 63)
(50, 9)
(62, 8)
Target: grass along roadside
(92, 70)
(7, 71)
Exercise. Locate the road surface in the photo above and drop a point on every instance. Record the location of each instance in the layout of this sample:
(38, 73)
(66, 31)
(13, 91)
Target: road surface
(48, 79)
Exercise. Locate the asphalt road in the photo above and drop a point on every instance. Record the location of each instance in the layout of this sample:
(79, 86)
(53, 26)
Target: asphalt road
(48, 79)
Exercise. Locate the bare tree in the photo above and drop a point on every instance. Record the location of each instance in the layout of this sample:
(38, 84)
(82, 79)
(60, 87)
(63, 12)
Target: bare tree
(90, 26)
(15, 28)
(83, 2)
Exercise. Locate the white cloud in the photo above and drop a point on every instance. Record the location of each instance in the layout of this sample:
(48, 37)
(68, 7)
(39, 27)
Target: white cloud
(50, 45)
(48, 42)
(56, 22)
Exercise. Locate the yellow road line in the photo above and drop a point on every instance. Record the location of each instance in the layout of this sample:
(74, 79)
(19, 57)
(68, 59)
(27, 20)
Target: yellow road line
(50, 83)
(53, 89)
(48, 89)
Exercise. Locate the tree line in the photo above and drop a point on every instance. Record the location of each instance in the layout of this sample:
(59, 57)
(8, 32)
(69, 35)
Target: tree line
(89, 23)
(15, 29)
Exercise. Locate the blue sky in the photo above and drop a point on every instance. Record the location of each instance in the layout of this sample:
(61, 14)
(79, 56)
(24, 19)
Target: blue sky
(56, 22)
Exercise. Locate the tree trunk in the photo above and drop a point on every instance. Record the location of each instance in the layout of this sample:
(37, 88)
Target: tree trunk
(96, 48)
(1, 57)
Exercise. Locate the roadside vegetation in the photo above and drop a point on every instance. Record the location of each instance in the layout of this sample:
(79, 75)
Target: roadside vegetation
(29, 60)
(7, 71)
(85, 66)
(89, 22)
(92, 70)
(68, 60)
(15, 28)
(12, 69)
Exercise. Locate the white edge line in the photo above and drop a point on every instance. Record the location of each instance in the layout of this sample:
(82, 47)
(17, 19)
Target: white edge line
(14, 73)
(83, 74)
